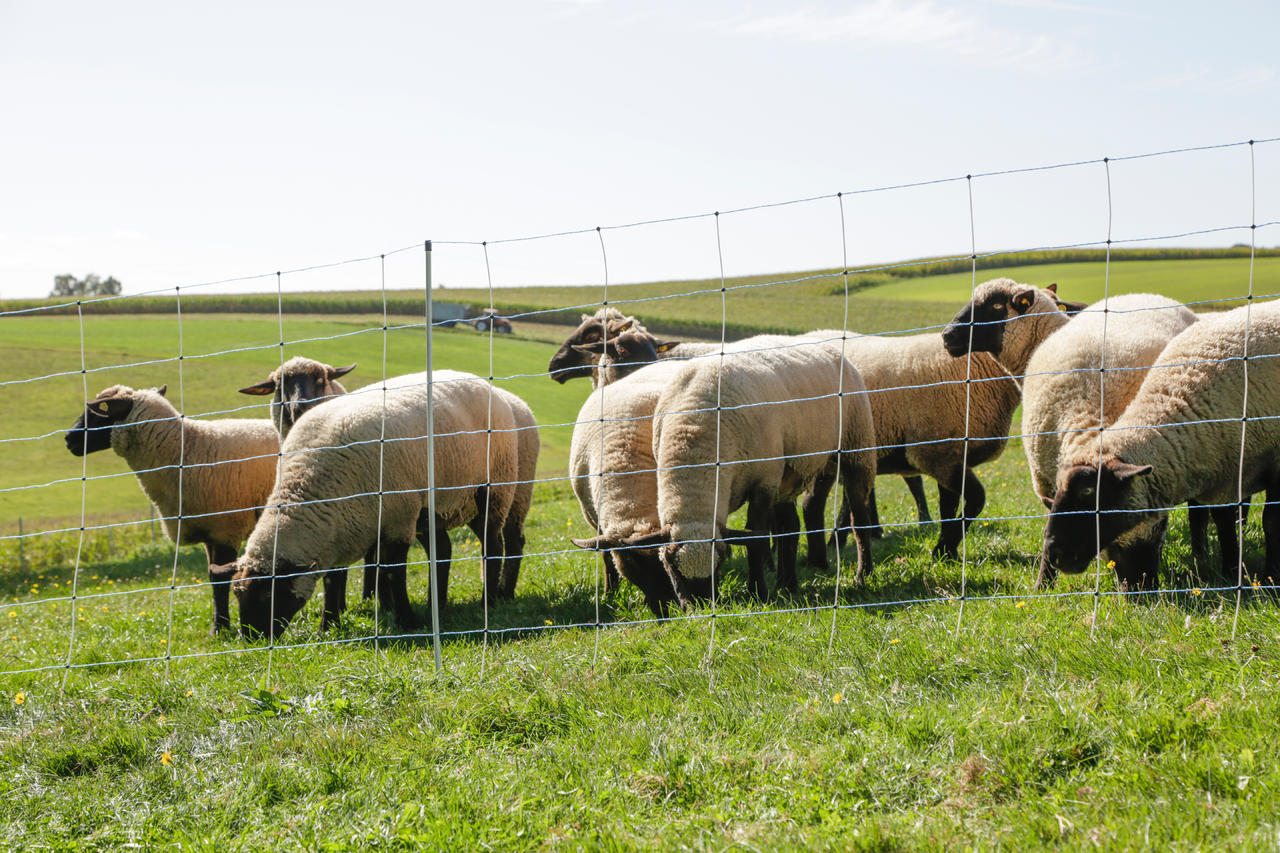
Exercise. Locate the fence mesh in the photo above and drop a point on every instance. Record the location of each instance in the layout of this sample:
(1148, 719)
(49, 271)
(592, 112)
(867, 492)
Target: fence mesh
(349, 489)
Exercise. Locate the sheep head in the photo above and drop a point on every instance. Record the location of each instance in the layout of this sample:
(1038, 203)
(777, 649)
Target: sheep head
(569, 363)
(623, 352)
(93, 429)
(297, 386)
(268, 602)
(1007, 319)
(1095, 505)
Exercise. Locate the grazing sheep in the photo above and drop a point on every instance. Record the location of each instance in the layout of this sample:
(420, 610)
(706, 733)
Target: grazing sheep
(1178, 440)
(612, 468)
(781, 416)
(209, 479)
(1064, 388)
(297, 386)
(330, 507)
(591, 332)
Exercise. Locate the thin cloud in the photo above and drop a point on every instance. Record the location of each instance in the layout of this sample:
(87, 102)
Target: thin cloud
(920, 25)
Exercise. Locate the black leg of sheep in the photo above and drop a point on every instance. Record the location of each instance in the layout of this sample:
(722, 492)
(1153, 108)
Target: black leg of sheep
(961, 486)
(915, 485)
(759, 556)
(1271, 532)
(786, 530)
(513, 553)
(220, 555)
(335, 597)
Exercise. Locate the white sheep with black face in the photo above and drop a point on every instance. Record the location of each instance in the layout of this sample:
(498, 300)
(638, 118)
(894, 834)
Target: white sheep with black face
(354, 478)
(1065, 398)
(752, 425)
(943, 404)
(209, 479)
(1179, 439)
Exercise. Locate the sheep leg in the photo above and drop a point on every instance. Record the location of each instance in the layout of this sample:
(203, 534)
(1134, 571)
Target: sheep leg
(220, 555)
(513, 553)
(489, 533)
(1271, 532)
(444, 553)
(1224, 519)
(915, 485)
(814, 505)
(787, 523)
(759, 518)
(860, 504)
(1198, 528)
(974, 497)
(335, 597)
(393, 583)
(1048, 574)
(844, 523)
(370, 574)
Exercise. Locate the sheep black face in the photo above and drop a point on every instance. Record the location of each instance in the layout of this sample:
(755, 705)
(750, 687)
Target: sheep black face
(92, 430)
(979, 327)
(268, 603)
(1090, 512)
(299, 385)
(570, 362)
(626, 352)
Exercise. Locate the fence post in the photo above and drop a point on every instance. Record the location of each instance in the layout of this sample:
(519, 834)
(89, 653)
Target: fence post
(432, 563)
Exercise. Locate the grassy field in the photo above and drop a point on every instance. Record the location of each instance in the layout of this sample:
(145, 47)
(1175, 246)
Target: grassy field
(1011, 720)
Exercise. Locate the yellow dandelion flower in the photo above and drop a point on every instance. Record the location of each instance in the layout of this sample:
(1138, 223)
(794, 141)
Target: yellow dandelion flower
(894, 641)
(547, 622)
(1020, 604)
(1197, 591)
(1111, 564)
(191, 691)
(166, 758)
(837, 698)
(13, 614)
(19, 698)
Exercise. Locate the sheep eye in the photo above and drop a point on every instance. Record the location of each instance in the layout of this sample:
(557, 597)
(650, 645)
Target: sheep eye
(997, 306)
(1086, 491)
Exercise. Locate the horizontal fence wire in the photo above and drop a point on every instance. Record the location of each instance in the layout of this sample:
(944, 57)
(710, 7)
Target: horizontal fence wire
(722, 356)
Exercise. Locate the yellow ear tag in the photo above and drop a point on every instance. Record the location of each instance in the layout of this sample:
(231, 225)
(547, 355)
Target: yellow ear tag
(102, 407)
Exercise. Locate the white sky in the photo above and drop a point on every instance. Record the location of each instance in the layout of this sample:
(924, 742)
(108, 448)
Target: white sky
(175, 143)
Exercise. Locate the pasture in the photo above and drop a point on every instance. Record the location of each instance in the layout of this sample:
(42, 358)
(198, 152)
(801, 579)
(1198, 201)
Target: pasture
(983, 715)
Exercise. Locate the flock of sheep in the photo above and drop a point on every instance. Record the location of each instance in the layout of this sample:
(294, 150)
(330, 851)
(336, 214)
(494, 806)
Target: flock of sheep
(1131, 406)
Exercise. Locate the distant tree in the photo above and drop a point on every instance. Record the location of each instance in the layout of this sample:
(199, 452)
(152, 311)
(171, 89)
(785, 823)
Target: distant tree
(90, 285)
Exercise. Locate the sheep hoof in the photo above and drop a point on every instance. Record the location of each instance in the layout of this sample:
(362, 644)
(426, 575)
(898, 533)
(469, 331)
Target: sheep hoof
(943, 551)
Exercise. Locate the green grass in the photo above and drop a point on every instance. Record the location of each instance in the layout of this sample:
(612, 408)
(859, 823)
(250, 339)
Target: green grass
(1023, 722)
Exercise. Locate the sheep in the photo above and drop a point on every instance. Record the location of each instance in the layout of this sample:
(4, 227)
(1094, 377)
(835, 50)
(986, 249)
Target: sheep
(1179, 439)
(1063, 389)
(565, 365)
(302, 383)
(783, 407)
(329, 505)
(296, 386)
(611, 463)
(209, 479)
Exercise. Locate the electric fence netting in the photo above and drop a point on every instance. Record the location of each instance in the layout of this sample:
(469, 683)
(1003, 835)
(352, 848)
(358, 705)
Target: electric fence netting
(698, 450)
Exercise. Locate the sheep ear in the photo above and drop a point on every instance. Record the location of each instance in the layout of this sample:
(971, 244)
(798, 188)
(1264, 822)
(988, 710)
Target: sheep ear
(338, 372)
(162, 389)
(1071, 308)
(222, 574)
(267, 386)
(1023, 301)
(1123, 471)
(593, 348)
(730, 534)
(1048, 502)
(1053, 288)
(664, 346)
(648, 540)
(596, 543)
(619, 326)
